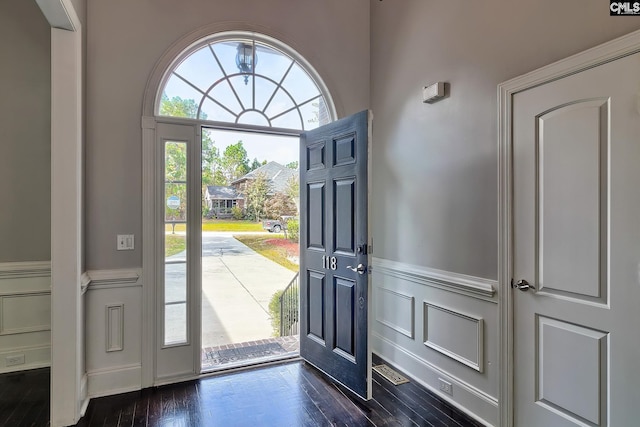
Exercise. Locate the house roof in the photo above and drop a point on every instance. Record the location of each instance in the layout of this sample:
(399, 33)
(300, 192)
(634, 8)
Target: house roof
(277, 174)
(222, 192)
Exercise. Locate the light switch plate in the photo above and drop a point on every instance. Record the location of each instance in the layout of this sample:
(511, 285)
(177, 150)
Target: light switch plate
(126, 242)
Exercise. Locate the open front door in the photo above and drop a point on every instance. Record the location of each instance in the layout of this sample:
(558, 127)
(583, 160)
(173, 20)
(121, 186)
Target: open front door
(334, 291)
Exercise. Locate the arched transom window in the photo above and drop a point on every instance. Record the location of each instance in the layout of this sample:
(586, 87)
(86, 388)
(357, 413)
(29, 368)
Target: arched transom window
(246, 80)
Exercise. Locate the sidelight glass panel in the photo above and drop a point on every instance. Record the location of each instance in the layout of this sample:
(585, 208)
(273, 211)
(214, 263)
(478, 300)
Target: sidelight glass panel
(175, 243)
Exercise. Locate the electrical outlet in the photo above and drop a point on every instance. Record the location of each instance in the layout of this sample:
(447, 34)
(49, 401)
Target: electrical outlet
(16, 359)
(445, 386)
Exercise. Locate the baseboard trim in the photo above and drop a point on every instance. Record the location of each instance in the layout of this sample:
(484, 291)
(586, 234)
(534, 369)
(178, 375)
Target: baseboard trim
(475, 287)
(39, 355)
(15, 270)
(84, 394)
(471, 400)
(114, 380)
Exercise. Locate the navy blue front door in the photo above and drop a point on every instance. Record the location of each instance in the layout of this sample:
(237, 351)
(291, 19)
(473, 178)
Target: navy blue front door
(334, 293)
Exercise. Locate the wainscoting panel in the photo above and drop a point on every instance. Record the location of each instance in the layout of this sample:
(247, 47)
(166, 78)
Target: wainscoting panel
(439, 327)
(454, 334)
(114, 331)
(25, 315)
(395, 310)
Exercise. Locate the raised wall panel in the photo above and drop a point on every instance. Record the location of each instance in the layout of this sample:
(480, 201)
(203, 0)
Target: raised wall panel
(316, 292)
(115, 327)
(454, 334)
(572, 145)
(25, 313)
(344, 150)
(344, 322)
(316, 156)
(316, 208)
(344, 193)
(572, 370)
(395, 310)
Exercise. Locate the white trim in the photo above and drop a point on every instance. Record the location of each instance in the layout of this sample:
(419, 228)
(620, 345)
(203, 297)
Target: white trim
(40, 353)
(148, 249)
(474, 287)
(478, 403)
(57, 14)
(478, 364)
(84, 394)
(28, 329)
(107, 279)
(26, 269)
(114, 380)
(114, 312)
(67, 327)
(607, 52)
(219, 31)
(408, 333)
(85, 280)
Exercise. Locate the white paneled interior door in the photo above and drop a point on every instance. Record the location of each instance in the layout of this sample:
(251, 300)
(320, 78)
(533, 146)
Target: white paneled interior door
(576, 228)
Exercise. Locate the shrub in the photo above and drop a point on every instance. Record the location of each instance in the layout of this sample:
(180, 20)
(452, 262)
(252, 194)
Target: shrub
(293, 229)
(290, 311)
(236, 212)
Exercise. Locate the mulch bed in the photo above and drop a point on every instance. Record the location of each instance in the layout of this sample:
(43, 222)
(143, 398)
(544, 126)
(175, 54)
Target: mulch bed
(292, 248)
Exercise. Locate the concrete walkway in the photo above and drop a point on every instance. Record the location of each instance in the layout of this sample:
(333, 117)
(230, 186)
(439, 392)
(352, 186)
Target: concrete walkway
(237, 285)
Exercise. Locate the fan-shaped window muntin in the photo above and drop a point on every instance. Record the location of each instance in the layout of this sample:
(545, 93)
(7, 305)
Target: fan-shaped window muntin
(278, 91)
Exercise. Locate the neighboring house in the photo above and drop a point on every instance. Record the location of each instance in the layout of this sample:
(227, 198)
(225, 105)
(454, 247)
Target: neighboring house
(278, 175)
(221, 199)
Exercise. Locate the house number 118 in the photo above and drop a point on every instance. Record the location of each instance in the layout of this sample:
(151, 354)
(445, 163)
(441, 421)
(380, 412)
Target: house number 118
(329, 262)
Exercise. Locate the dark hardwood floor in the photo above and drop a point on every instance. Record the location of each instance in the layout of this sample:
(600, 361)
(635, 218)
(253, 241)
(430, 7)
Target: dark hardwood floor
(24, 398)
(290, 394)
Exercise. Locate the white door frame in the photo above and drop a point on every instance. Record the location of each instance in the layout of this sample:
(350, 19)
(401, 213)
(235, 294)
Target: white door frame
(68, 379)
(607, 52)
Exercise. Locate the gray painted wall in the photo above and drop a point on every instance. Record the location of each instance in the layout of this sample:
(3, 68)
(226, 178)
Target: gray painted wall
(435, 166)
(25, 147)
(126, 39)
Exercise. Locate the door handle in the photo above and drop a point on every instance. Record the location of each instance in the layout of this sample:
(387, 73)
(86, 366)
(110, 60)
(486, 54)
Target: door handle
(522, 285)
(360, 269)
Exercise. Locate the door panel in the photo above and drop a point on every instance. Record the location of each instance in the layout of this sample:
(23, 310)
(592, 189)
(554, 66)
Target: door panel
(333, 242)
(577, 242)
(177, 291)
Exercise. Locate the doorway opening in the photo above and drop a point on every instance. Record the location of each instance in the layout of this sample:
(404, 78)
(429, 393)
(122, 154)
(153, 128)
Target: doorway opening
(229, 111)
(250, 249)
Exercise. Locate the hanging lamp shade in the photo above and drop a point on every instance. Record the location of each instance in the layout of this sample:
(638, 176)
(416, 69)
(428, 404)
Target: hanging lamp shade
(246, 59)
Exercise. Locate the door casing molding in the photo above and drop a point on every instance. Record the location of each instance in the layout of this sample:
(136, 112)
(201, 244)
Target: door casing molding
(607, 52)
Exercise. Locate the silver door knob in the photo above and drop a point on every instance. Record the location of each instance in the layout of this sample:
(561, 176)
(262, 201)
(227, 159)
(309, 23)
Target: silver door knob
(360, 269)
(522, 285)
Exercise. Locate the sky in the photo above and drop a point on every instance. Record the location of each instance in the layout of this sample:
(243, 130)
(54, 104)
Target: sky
(281, 149)
(203, 74)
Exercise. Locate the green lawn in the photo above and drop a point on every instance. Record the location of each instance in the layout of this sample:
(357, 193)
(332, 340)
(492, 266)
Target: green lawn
(222, 225)
(173, 244)
(264, 245)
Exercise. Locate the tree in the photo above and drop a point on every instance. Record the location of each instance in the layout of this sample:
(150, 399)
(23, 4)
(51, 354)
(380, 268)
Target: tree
(292, 165)
(256, 196)
(255, 164)
(293, 191)
(278, 205)
(179, 107)
(234, 162)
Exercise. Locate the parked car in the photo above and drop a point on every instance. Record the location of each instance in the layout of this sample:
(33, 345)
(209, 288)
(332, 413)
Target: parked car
(276, 225)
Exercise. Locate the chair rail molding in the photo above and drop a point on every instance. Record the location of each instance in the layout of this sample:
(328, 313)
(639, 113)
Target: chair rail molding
(475, 287)
(105, 279)
(16, 270)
